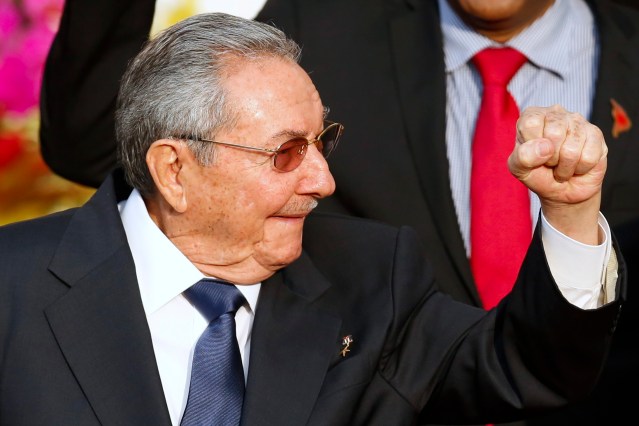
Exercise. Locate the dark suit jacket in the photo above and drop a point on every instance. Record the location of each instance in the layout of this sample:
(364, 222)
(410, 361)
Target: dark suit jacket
(76, 348)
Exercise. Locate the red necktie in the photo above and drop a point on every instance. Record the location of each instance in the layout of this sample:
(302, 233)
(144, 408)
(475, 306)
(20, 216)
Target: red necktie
(500, 226)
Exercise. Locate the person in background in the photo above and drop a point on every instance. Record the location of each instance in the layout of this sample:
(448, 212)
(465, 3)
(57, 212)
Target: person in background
(417, 55)
(305, 318)
(399, 74)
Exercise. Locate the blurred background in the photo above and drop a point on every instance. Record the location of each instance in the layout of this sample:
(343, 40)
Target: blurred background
(27, 187)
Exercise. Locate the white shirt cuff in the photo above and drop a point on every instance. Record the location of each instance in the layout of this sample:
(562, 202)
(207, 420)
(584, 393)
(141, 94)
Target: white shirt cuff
(578, 269)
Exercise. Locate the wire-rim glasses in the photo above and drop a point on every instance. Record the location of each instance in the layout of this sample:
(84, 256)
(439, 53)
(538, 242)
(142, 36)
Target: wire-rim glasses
(290, 154)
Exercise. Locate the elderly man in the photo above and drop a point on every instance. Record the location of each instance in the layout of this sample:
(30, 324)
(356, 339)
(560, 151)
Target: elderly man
(205, 291)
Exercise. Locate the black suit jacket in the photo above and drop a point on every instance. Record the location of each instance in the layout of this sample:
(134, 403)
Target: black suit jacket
(76, 348)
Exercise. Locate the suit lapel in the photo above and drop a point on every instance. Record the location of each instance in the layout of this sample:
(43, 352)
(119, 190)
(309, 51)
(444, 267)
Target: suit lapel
(100, 323)
(417, 43)
(293, 340)
(616, 79)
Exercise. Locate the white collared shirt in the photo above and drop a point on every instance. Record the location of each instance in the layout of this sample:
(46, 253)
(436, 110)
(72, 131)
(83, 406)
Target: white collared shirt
(163, 273)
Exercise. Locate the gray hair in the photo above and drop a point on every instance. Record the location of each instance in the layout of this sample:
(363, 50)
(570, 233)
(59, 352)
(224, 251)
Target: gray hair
(175, 86)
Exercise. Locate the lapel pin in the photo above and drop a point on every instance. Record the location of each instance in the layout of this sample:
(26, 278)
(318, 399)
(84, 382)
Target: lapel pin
(346, 345)
(621, 121)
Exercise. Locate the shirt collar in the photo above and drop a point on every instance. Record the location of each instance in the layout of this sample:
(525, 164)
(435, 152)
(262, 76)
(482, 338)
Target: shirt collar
(543, 42)
(162, 270)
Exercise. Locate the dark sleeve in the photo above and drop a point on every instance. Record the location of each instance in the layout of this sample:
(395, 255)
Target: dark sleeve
(453, 363)
(535, 351)
(89, 54)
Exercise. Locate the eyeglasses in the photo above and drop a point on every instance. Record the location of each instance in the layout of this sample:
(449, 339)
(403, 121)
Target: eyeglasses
(289, 155)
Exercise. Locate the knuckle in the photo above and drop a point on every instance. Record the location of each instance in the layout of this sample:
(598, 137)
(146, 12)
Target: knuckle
(530, 121)
(597, 133)
(570, 153)
(577, 118)
(589, 158)
(555, 131)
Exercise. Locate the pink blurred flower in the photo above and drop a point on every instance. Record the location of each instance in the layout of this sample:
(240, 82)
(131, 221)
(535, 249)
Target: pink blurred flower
(9, 21)
(27, 28)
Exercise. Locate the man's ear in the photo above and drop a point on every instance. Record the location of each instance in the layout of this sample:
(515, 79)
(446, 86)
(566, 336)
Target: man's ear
(166, 159)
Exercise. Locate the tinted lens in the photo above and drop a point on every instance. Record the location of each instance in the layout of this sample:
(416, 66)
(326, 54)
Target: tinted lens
(290, 154)
(329, 138)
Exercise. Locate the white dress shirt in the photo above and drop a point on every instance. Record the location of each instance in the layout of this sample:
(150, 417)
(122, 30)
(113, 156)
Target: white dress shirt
(163, 273)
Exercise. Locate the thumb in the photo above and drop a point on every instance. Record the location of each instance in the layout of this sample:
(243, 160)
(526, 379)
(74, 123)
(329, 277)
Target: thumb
(529, 155)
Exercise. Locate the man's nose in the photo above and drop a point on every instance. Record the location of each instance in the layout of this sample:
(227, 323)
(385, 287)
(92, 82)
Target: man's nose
(317, 180)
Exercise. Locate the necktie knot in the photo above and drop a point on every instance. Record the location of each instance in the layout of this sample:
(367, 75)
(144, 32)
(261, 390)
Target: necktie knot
(213, 298)
(497, 66)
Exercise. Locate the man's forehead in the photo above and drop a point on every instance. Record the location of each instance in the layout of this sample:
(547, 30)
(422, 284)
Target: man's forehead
(271, 74)
(272, 86)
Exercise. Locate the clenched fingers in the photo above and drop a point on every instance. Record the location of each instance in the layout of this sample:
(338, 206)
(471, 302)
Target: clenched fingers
(577, 146)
